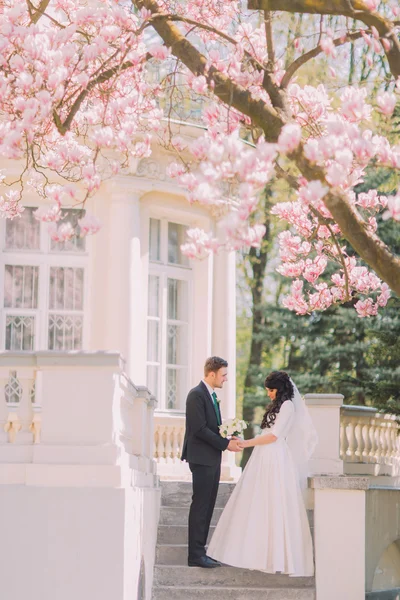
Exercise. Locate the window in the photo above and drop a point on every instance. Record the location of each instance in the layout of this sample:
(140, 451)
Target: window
(168, 314)
(43, 292)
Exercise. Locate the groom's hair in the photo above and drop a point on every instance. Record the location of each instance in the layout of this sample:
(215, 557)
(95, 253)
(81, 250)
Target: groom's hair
(214, 363)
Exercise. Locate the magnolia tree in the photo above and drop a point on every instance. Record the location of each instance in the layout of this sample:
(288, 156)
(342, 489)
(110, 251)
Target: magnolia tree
(77, 105)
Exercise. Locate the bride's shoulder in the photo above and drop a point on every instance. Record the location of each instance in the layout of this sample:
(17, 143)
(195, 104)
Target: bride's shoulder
(287, 407)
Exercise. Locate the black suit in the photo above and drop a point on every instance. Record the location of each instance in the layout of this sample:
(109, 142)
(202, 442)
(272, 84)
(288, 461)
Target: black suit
(202, 448)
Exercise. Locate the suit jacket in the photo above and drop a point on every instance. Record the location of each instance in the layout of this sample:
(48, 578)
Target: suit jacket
(203, 443)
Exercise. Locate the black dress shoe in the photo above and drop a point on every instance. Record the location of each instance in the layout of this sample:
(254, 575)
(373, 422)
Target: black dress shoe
(217, 563)
(204, 561)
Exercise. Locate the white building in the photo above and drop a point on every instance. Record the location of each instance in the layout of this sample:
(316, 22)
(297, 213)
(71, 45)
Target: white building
(81, 435)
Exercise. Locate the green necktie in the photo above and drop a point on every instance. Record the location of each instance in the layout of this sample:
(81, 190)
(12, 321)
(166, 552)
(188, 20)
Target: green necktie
(214, 397)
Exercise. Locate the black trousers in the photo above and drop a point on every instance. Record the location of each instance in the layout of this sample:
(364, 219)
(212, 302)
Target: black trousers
(205, 488)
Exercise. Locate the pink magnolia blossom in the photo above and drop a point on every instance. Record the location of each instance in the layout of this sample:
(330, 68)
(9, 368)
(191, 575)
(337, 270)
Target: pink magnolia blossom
(160, 52)
(393, 208)
(89, 225)
(366, 308)
(63, 233)
(386, 103)
(354, 108)
(289, 138)
(372, 5)
(328, 47)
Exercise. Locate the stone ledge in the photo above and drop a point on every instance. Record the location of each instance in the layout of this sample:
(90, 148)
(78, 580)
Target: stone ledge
(68, 359)
(324, 399)
(341, 482)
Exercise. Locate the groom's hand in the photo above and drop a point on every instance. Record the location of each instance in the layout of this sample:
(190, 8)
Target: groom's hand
(233, 446)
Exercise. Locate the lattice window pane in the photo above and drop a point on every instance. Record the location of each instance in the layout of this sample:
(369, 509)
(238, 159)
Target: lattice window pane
(176, 344)
(77, 243)
(66, 288)
(65, 332)
(177, 300)
(176, 237)
(176, 383)
(154, 296)
(153, 341)
(155, 239)
(23, 233)
(20, 333)
(13, 389)
(153, 374)
(21, 286)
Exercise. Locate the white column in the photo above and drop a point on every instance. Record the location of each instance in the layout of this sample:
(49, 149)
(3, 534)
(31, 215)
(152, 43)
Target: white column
(136, 365)
(125, 317)
(202, 316)
(224, 343)
(325, 413)
(339, 537)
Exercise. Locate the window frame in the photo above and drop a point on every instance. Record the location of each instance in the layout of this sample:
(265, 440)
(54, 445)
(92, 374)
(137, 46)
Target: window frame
(44, 258)
(166, 270)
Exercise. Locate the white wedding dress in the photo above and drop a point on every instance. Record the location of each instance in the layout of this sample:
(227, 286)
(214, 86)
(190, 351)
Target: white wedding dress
(264, 525)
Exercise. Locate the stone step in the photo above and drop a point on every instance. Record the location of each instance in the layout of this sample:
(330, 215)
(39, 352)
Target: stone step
(183, 576)
(227, 593)
(177, 516)
(171, 554)
(179, 493)
(175, 534)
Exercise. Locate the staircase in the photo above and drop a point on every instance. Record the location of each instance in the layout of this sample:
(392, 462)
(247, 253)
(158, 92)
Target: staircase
(174, 580)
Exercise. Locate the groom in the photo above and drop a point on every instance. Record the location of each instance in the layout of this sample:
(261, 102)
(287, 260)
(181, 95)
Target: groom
(202, 448)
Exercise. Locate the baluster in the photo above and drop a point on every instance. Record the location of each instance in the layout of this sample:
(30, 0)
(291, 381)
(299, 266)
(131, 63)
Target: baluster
(366, 443)
(378, 443)
(372, 453)
(3, 404)
(160, 444)
(168, 444)
(343, 438)
(388, 443)
(393, 439)
(12, 427)
(181, 438)
(175, 449)
(350, 453)
(25, 409)
(359, 442)
(36, 428)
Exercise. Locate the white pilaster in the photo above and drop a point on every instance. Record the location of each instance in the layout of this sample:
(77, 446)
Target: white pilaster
(125, 314)
(339, 537)
(325, 413)
(224, 342)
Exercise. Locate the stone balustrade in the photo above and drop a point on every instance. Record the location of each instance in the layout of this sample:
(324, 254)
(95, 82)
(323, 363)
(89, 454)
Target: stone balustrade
(369, 442)
(73, 409)
(169, 432)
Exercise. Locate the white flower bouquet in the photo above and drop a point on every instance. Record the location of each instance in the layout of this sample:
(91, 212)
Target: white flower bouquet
(232, 427)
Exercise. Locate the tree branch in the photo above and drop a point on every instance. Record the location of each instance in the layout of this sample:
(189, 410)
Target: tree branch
(222, 86)
(353, 227)
(37, 12)
(355, 9)
(299, 62)
(269, 37)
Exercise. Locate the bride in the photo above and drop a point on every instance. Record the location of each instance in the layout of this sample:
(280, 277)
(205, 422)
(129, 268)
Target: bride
(264, 525)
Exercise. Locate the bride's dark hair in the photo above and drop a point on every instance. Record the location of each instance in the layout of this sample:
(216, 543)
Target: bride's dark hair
(280, 381)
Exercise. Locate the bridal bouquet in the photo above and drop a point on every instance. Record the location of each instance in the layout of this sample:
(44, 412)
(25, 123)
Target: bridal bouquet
(232, 427)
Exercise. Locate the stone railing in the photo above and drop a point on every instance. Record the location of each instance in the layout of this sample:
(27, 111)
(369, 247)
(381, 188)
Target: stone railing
(369, 442)
(169, 431)
(74, 409)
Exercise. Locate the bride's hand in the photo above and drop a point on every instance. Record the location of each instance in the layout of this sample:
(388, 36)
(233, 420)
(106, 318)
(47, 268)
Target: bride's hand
(243, 444)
